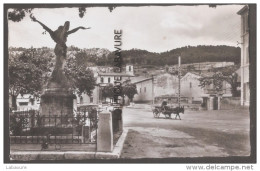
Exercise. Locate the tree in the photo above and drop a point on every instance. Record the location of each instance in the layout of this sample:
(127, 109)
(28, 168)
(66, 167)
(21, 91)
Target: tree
(27, 72)
(18, 14)
(81, 78)
(190, 68)
(129, 90)
(108, 91)
(216, 79)
(227, 74)
(232, 78)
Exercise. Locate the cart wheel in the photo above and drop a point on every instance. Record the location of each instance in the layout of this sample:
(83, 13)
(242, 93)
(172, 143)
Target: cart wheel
(156, 113)
(167, 116)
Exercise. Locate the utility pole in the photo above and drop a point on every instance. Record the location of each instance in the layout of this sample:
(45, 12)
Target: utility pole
(153, 89)
(179, 77)
(199, 65)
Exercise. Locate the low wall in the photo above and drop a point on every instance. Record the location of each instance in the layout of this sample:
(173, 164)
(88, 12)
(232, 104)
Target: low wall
(230, 103)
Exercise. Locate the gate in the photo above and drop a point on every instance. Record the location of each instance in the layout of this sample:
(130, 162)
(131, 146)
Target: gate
(215, 103)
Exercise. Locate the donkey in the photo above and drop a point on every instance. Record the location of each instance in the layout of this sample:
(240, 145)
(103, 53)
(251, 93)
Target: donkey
(176, 110)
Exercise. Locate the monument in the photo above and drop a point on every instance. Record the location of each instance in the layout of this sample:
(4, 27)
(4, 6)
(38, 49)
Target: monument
(57, 98)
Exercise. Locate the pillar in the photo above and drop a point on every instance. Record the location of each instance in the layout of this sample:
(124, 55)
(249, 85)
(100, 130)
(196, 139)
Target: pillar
(105, 132)
(211, 103)
(219, 102)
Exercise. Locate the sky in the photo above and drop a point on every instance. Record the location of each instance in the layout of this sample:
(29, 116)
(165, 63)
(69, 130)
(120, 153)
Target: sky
(152, 28)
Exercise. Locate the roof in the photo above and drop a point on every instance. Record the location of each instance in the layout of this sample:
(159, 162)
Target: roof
(170, 96)
(25, 96)
(147, 79)
(243, 10)
(207, 74)
(123, 74)
(139, 78)
(194, 73)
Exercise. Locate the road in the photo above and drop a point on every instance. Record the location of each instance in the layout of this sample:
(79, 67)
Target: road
(199, 134)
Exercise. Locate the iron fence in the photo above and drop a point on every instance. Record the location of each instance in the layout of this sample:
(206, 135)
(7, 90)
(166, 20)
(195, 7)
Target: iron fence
(30, 127)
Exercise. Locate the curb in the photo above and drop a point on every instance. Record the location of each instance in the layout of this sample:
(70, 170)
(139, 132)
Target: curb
(115, 154)
(70, 155)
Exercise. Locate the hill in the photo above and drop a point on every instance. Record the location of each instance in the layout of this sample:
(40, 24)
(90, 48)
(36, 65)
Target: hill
(189, 54)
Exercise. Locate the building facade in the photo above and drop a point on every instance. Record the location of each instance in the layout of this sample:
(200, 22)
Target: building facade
(245, 90)
(104, 77)
(26, 102)
(144, 89)
(167, 85)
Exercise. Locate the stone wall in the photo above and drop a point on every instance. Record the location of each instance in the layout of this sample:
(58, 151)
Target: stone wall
(227, 103)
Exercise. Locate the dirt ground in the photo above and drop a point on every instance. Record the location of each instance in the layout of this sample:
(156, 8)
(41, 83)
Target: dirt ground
(199, 134)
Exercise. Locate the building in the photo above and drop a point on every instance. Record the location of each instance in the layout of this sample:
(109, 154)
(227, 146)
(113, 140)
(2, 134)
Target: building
(245, 91)
(145, 91)
(166, 86)
(26, 102)
(190, 87)
(104, 76)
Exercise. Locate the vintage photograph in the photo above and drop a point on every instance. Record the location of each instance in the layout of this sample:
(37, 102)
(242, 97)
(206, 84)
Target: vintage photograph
(130, 83)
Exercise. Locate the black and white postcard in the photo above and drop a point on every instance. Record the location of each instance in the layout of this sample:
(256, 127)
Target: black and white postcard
(130, 83)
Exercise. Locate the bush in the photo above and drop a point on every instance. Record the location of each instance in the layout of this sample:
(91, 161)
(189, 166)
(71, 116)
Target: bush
(17, 124)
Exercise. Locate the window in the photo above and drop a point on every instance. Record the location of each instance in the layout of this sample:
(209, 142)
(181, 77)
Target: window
(245, 23)
(108, 80)
(32, 101)
(118, 78)
(129, 68)
(102, 80)
(81, 100)
(144, 89)
(23, 103)
(91, 99)
(190, 84)
(247, 55)
(140, 90)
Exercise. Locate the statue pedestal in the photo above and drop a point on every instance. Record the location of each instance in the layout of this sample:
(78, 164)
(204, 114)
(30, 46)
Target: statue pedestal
(56, 106)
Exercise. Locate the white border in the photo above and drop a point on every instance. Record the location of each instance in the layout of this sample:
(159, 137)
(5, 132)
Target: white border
(94, 167)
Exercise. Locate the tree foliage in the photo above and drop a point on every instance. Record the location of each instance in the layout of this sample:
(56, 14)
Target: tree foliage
(189, 54)
(227, 74)
(145, 58)
(108, 91)
(80, 77)
(216, 80)
(18, 14)
(129, 90)
(28, 72)
(30, 69)
(230, 76)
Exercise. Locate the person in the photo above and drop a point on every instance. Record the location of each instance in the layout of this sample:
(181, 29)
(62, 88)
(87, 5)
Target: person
(164, 105)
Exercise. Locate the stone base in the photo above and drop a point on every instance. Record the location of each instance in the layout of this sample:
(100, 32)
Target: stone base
(56, 103)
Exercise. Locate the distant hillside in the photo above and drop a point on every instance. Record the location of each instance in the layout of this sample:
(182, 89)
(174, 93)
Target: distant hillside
(189, 54)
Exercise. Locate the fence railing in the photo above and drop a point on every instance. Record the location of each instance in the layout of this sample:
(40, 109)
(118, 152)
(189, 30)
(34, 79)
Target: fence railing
(30, 127)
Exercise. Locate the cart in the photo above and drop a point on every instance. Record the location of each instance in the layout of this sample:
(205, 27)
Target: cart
(167, 111)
